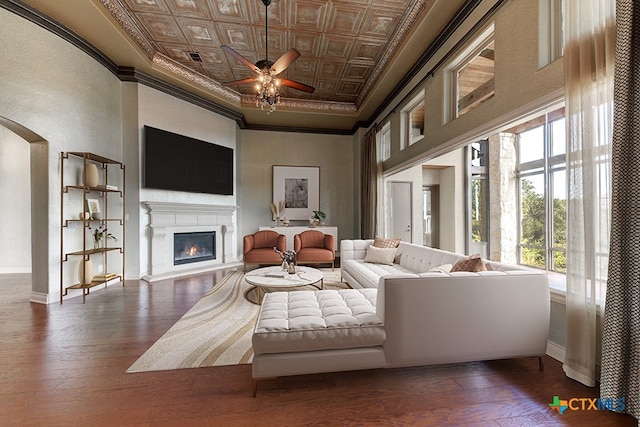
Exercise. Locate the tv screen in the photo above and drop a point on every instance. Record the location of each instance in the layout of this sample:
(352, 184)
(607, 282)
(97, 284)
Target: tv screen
(179, 163)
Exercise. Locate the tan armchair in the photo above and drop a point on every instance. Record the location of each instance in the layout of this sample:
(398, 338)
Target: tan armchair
(314, 247)
(258, 248)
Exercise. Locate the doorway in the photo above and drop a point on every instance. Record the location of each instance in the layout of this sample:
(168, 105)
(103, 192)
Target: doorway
(38, 188)
(431, 216)
(400, 210)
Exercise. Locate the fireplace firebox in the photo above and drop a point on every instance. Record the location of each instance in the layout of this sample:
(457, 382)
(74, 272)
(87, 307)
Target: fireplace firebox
(194, 247)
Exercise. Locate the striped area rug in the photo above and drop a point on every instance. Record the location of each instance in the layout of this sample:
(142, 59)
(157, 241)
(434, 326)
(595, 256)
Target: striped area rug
(216, 331)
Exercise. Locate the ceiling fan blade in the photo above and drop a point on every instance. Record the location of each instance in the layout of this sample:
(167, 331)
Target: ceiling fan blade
(240, 58)
(296, 85)
(240, 82)
(284, 61)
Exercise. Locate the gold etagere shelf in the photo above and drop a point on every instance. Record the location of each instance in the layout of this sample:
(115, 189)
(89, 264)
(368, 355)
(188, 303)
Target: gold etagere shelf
(103, 193)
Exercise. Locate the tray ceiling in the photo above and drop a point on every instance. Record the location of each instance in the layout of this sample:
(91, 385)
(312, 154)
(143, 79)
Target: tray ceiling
(353, 52)
(345, 45)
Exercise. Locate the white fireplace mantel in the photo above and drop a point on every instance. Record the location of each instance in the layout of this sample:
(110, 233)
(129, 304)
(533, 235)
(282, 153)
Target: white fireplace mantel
(166, 218)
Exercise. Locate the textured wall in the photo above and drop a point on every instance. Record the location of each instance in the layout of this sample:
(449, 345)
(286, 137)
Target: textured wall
(56, 91)
(260, 151)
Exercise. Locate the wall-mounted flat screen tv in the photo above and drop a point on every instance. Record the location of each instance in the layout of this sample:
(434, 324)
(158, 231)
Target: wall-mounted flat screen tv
(180, 163)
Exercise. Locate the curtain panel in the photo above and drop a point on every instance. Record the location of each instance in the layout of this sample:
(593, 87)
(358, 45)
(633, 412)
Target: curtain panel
(621, 327)
(370, 175)
(589, 69)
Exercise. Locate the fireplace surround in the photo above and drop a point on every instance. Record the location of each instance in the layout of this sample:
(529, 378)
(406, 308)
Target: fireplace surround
(167, 219)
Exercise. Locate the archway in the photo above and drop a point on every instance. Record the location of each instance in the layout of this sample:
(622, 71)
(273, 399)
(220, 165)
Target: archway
(39, 172)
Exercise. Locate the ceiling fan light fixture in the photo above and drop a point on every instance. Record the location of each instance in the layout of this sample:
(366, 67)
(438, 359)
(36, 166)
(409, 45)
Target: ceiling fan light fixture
(267, 83)
(268, 94)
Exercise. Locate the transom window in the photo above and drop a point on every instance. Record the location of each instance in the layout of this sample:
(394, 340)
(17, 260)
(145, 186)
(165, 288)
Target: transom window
(471, 76)
(413, 121)
(385, 142)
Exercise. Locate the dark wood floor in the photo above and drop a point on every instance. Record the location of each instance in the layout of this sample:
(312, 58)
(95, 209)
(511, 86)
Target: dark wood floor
(65, 365)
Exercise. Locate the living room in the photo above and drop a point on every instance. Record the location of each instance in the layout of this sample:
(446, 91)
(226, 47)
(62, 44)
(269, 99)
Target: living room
(62, 99)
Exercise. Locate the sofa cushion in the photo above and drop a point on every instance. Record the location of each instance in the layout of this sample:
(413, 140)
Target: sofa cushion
(420, 259)
(380, 255)
(380, 242)
(317, 320)
(444, 268)
(472, 263)
(368, 274)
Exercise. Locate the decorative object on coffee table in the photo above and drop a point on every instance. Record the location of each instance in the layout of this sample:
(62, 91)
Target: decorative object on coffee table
(288, 260)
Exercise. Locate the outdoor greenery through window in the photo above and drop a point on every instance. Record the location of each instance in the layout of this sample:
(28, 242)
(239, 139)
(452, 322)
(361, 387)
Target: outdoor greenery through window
(541, 145)
(479, 196)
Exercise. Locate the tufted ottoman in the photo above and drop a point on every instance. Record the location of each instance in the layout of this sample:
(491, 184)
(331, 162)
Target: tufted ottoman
(317, 331)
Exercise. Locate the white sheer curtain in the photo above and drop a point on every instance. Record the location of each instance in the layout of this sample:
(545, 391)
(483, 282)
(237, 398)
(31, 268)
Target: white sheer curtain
(589, 67)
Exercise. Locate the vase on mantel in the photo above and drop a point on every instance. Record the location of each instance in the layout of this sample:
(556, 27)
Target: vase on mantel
(90, 176)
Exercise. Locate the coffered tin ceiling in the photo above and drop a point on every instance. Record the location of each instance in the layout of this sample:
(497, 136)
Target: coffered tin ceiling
(353, 52)
(344, 45)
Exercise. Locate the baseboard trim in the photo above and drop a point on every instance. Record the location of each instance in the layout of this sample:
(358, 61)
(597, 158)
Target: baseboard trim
(556, 351)
(39, 298)
(189, 272)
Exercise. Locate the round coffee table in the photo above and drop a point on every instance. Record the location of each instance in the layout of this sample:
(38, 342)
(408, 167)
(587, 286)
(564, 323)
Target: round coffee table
(275, 277)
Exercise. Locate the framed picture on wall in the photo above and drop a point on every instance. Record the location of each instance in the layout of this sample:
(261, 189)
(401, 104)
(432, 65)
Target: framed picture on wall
(299, 187)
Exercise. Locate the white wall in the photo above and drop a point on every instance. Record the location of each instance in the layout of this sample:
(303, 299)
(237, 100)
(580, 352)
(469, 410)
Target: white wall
(260, 151)
(451, 180)
(162, 111)
(518, 84)
(58, 92)
(15, 194)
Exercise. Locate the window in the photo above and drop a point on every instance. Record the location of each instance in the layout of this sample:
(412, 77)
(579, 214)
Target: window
(550, 31)
(416, 123)
(472, 75)
(385, 142)
(542, 184)
(479, 194)
(413, 121)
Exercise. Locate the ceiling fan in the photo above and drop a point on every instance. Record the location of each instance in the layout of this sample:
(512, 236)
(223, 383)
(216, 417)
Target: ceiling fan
(266, 81)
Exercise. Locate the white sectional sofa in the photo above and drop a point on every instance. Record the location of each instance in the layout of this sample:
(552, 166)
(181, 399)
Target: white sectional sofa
(403, 315)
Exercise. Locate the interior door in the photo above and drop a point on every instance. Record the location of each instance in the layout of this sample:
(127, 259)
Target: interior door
(400, 210)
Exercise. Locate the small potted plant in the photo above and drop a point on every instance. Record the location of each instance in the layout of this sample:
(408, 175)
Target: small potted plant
(100, 237)
(316, 218)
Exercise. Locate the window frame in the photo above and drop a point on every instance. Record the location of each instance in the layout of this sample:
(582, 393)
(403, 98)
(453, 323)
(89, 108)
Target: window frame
(406, 120)
(547, 167)
(480, 43)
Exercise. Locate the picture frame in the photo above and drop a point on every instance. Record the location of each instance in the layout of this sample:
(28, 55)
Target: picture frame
(93, 206)
(299, 187)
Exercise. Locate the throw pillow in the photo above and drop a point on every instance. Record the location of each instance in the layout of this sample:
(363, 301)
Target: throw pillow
(471, 263)
(444, 268)
(380, 255)
(380, 242)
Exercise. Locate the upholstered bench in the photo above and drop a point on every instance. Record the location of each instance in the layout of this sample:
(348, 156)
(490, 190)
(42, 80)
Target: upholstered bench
(302, 332)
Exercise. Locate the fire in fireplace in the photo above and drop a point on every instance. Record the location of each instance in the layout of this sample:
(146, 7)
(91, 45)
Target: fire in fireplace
(194, 247)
